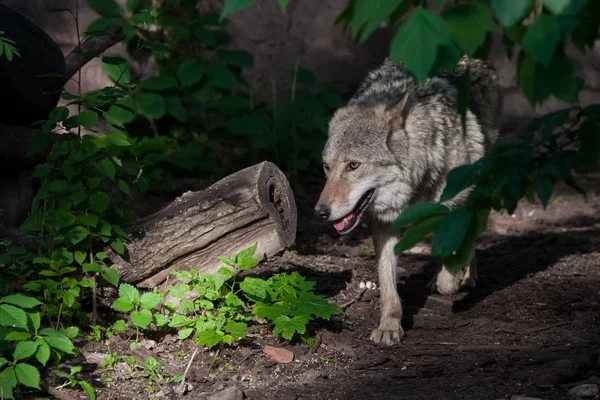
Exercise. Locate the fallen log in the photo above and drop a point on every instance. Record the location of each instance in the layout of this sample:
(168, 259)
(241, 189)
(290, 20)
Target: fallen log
(254, 205)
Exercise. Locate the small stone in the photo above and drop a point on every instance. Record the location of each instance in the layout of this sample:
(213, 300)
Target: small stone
(231, 393)
(149, 344)
(585, 390)
(279, 354)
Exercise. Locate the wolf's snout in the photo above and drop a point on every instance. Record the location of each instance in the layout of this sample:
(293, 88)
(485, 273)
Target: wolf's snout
(323, 211)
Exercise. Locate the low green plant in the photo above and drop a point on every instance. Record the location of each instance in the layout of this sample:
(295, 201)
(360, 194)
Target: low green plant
(220, 311)
(25, 345)
(155, 377)
(71, 380)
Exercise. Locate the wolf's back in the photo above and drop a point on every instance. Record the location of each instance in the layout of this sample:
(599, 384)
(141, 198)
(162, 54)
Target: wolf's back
(485, 95)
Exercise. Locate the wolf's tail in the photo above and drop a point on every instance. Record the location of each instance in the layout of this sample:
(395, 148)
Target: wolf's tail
(485, 94)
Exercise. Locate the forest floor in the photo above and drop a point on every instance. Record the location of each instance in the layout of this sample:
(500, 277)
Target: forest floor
(530, 328)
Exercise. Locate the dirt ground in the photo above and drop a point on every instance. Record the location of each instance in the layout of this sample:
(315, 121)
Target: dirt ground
(530, 328)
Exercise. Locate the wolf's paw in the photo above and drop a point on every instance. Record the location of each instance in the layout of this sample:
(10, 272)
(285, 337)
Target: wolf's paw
(387, 337)
(446, 283)
(389, 332)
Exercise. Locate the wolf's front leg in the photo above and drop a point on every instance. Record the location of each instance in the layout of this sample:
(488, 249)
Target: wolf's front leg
(389, 332)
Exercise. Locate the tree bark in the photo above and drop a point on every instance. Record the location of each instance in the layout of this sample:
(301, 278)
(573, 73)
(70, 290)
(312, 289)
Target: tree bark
(254, 205)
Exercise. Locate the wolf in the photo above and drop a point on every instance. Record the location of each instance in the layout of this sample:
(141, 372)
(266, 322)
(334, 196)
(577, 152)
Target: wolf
(392, 145)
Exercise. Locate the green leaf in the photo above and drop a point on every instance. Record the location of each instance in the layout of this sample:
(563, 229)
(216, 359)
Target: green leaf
(58, 340)
(450, 232)
(370, 15)
(469, 24)
(87, 119)
(101, 255)
(185, 333)
(209, 337)
(20, 301)
(88, 389)
(77, 234)
(16, 336)
(28, 375)
(150, 300)
(8, 381)
(417, 212)
(312, 304)
(89, 220)
(129, 292)
(221, 77)
(99, 201)
(120, 74)
(106, 7)
(511, 12)
(79, 257)
(42, 170)
(557, 6)
(118, 246)
(111, 276)
(236, 329)
(118, 140)
(58, 114)
(63, 219)
(541, 38)
(151, 105)
(287, 327)
(416, 42)
(159, 83)
(119, 325)
(24, 350)
(245, 260)
(417, 232)
(43, 353)
(35, 320)
(464, 255)
(141, 318)
(11, 316)
(461, 178)
(114, 60)
(106, 167)
(232, 6)
(91, 267)
(254, 287)
(190, 72)
(120, 113)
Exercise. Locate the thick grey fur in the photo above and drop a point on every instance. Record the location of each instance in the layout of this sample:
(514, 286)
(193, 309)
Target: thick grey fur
(401, 140)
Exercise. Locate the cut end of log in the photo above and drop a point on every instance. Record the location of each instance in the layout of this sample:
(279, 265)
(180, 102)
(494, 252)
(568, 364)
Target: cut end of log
(277, 198)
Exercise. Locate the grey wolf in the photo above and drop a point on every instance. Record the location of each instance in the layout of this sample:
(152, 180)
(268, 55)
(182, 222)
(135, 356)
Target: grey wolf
(393, 145)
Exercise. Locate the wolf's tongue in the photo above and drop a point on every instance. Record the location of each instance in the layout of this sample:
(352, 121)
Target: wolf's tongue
(341, 224)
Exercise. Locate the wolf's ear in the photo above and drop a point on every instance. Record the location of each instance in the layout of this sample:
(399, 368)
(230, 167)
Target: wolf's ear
(396, 114)
(393, 115)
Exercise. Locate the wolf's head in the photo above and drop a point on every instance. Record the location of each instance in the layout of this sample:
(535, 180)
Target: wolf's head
(362, 162)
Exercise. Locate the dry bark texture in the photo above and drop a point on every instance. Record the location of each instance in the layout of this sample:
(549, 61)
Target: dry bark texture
(254, 205)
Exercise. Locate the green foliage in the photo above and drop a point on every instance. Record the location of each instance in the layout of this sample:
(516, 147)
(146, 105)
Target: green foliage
(24, 344)
(203, 97)
(218, 314)
(7, 48)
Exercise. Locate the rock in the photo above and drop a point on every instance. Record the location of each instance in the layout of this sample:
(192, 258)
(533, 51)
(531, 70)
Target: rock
(149, 344)
(585, 390)
(231, 393)
(279, 354)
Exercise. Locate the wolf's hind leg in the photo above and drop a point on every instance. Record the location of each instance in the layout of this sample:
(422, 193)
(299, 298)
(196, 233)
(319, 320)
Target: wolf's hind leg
(389, 331)
(446, 283)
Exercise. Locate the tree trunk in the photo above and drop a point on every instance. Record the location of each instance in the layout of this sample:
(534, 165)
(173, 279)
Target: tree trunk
(254, 205)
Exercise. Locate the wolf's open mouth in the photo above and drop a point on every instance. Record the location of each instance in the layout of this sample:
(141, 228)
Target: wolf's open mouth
(350, 221)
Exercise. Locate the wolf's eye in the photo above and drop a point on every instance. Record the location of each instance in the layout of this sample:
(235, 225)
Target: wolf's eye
(326, 167)
(353, 165)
